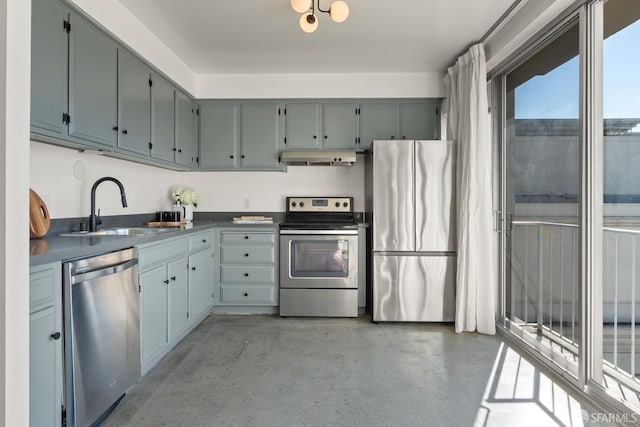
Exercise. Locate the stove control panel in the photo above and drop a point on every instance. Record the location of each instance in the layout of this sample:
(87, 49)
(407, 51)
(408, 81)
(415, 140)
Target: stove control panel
(320, 204)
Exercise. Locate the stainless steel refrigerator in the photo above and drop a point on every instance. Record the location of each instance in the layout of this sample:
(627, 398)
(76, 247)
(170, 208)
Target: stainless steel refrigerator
(410, 195)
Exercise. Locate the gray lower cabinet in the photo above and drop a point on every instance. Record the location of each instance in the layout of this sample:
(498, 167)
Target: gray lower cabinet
(186, 143)
(201, 290)
(49, 60)
(134, 100)
(93, 85)
(162, 119)
(239, 135)
(247, 267)
(45, 345)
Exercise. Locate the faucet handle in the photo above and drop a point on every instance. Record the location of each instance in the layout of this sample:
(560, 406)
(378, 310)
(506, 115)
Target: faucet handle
(98, 220)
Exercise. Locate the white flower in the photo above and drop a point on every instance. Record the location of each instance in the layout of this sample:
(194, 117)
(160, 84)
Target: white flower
(186, 196)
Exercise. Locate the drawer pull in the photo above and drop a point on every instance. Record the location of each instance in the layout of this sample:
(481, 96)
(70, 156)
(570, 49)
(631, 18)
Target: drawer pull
(173, 278)
(56, 336)
(246, 254)
(193, 268)
(204, 240)
(246, 294)
(166, 282)
(246, 237)
(246, 274)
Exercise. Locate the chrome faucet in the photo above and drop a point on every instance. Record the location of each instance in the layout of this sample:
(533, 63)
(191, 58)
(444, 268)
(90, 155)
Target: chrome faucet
(92, 218)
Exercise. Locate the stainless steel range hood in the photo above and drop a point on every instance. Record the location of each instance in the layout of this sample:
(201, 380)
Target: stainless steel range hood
(318, 157)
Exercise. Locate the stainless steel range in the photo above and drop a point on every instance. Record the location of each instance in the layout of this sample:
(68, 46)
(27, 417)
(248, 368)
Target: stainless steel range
(319, 258)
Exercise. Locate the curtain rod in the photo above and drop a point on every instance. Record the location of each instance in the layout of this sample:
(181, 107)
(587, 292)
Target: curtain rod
(499, 21)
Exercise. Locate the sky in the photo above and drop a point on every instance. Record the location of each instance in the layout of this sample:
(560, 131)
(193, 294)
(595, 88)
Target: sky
(555, 94)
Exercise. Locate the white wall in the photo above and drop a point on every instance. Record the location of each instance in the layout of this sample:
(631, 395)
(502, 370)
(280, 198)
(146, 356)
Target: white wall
(327, 85)
(54, 169)
(15, 42)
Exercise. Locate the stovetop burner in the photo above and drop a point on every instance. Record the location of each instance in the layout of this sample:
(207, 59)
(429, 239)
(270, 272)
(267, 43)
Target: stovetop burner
(319, 213)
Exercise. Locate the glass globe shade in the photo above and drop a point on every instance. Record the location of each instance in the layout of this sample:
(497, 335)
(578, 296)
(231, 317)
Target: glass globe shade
(339, 11)
(308, 22)
(301, 6)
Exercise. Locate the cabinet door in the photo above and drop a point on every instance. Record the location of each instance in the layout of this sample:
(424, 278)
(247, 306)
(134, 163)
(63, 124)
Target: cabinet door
(218, 136)
(93, 77)
(153, 307)
(186, 143)
(378, 121)
(419, 121)
(45, 368)
(200, 282)
(134, 102)
(302, 125)
(339, 126)
(49, 59)
(260, 136)
(162, 119)
(178, 299)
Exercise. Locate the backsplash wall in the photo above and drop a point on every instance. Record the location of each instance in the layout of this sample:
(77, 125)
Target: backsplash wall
(63, 178)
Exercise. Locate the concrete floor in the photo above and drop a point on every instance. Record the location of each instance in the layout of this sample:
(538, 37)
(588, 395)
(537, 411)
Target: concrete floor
(271, 371)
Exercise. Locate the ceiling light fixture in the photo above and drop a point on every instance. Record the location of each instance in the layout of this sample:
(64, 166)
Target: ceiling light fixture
(339, 12)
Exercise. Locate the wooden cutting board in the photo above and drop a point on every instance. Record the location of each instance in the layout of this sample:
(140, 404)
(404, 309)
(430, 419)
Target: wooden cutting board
(39, 219)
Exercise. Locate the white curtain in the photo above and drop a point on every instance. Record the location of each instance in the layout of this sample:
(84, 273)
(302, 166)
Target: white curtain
(468, 124)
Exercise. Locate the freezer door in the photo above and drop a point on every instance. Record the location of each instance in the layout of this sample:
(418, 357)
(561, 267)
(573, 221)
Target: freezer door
(413, 288)
(393, 193)
(435, 196)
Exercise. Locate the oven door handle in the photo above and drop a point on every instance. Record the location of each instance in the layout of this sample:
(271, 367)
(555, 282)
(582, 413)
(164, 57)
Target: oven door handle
(320, 232)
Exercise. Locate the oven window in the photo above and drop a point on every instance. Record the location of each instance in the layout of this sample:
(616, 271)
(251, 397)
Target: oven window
(326, 258)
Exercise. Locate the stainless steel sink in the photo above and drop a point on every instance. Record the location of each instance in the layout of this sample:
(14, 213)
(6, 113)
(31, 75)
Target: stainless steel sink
(121, 231)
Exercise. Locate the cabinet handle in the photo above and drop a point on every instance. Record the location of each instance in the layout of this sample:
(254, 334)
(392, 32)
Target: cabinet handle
(166, 282)
(125, 132)
(393, 137)
(404, 137)
(246, 254)
(315, 136)
(115, 128)
(246, 274)
(231, 157)
(173, 278)
(242, 157)
(193, 268)
(246, 237)
(204, 240)
(325, 137)
(179, 150)
(246, 294)
(56, 335)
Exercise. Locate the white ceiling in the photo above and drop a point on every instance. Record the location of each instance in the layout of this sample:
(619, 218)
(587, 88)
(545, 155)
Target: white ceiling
(263, 36)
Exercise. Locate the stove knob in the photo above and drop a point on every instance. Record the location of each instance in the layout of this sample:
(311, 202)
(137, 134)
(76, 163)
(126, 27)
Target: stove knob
(302, 204)
(337, 204)
(345, 204)
(293, 204)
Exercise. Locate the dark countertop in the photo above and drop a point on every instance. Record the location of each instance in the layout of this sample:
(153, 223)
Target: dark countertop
(54, 247)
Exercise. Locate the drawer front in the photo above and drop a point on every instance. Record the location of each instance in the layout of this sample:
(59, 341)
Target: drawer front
(247, 294)
(247, 274)
(156, 253)
(252, 237)
(200, 241)
(247, 254)
(42, 288)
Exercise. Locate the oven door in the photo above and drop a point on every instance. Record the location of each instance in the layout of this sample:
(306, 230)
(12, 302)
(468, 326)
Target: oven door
(319, 259)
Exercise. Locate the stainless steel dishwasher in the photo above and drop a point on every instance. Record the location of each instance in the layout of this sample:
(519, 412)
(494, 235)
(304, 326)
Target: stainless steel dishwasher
(102, 333)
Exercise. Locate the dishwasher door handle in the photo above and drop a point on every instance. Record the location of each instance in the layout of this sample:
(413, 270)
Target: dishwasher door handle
(102, 272)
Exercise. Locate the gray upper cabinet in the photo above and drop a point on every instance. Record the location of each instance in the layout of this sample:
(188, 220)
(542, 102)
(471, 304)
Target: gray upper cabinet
(378, 121)
(302, 125)
(260, 138)
(134, 99)
(219, 129)
(93, 77)
(339, 125)
(162, 119)
(186, 144)
(419, 120)
(49, 56)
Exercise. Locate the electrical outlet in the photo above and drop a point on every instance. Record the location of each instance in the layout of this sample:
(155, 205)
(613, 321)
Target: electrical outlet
(246, 203)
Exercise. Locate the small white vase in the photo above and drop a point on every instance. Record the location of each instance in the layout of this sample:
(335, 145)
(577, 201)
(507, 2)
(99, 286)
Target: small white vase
(187, 213)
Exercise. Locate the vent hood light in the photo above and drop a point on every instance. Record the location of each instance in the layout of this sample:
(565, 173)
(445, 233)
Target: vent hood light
(318, 157)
